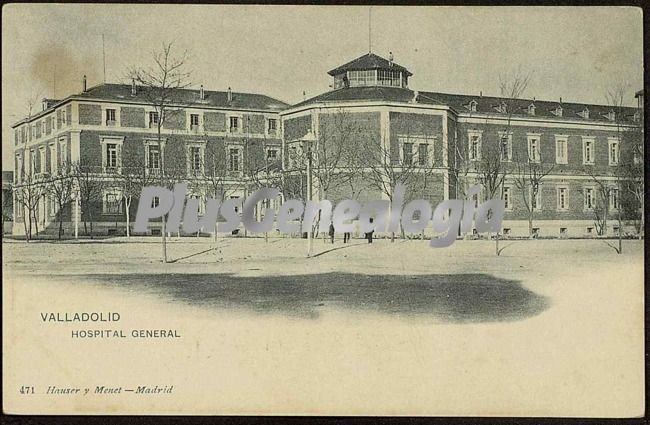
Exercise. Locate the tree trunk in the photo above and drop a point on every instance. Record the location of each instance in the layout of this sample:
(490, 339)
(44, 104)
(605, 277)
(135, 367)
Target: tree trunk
(25, 226)
(497, 243)
(127, 208)
(530, 224)
(164, 240)
(60, 221)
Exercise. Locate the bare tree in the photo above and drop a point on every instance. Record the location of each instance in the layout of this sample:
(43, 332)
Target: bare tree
(90, 184)
(528, 181)
(384, 168)
(159, 86)
(631, 171)
(61, 189)
(29, 192)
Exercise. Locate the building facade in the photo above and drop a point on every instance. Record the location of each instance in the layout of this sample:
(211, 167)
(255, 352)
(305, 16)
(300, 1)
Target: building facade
(557, 165)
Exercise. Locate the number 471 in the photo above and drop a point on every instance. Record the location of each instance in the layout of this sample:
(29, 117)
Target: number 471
(26, 390)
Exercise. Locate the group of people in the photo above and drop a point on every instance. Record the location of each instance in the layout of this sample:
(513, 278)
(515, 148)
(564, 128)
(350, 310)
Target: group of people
(348, 235)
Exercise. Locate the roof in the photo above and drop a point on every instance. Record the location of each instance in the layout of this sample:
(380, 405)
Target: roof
(369, 61)
(122, 92)
(461, 103)
(185, 97)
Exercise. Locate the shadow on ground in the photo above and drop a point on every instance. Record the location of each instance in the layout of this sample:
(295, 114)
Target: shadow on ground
(460, 298)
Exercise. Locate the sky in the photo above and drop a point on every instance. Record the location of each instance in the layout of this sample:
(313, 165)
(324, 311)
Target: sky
(282, 51)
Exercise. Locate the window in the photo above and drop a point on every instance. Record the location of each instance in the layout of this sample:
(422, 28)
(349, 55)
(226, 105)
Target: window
(611, 115)
(362, 78)
(32, 162)
(153, 119)
(155, 202)
(589, 198)
(62, 152)
(194, 121)
(587, 151)
(196, 160)
(112, 202)
(585, 113)
(535, 201)
(505, 151)
(590, 230)
(272, 125)
(234, 125)
(534, 148)
(423, 154)
(506, 196)
(472, 106)
(558, 111)
(153, 158)
(234, 159)
(564, 232)
(43, 127)
(531, 109)
(53, 159)
(474, 146)
(562, 198)
(613, 198)
(110, 117)
(389, 78)
(272, 154)
(407, 153)
(43, 159)
(507, 231)
(111, 155)
(561, 152)
(613, 151)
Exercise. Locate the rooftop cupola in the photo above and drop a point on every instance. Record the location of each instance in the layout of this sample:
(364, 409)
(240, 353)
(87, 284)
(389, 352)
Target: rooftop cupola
(370, 70)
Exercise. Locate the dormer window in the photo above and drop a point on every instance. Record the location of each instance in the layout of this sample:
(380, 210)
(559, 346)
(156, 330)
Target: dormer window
(637, 116)
(531, 109)
(611, 115)
(585, 113)
(503, 108)
(472, 106)
(558, 111)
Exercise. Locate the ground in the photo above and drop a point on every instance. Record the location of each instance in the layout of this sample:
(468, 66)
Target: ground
(550, 327)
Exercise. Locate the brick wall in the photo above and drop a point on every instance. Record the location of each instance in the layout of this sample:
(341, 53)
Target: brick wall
(132, 117)
(90, 114)
(254, 123)
(175, 119)
(412, 124)
(547, 145)
(214, 121)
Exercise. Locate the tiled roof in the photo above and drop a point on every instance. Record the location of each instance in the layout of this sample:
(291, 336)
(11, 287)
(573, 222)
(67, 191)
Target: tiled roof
(219, 99)
(461, 103)
(368, 61)
(121, 92)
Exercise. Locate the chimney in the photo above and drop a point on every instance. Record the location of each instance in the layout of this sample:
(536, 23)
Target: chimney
(84, 83)
(133, 88)
(202, 93)
(560, 100)
(390, 58)
(480, 93)
(304, 95)
(415, 96)
(229, 95)
(45, 103)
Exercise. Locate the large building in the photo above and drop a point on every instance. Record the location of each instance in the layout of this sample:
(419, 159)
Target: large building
(370, 131)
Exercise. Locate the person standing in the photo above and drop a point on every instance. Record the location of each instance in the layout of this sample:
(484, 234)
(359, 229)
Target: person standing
(346, 237)
(369, 234)
(331, 231)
